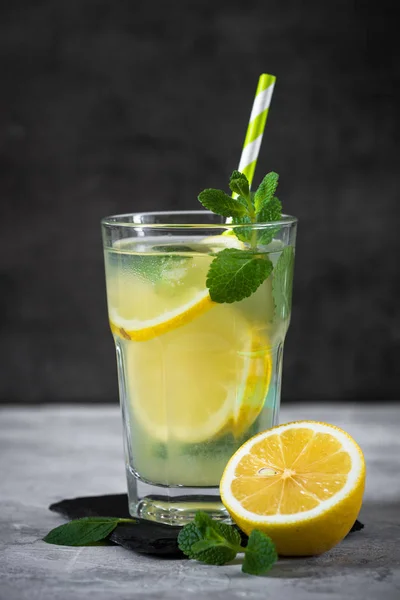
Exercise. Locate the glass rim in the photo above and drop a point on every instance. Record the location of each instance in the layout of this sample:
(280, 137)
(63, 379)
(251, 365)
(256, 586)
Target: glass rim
(118, 221)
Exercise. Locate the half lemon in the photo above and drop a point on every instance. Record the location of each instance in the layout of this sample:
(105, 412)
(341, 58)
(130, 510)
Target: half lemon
(300, 483)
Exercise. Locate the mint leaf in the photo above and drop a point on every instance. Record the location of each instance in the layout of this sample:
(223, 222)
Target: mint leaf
(239, 184)
(209, 541)
(215, 530)
(221, 204)
(226, 532)
(266, 190)
(236, 274)
(187, 538)
(260, 554)
(83, 531)
(243, 233)
(201, 545)
(155, 268)
(172, 248)
(213, 552)
(282, 283)
(272, 211)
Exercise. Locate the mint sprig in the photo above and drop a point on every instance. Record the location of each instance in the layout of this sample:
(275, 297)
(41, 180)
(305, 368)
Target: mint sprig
(85, 531)
(216, 543)
(236, 274)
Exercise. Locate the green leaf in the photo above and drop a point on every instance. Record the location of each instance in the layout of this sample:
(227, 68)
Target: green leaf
(156, 268)
(239, 184)
(221, 204)
(214, 553)
(216, 543)
(202, 545)
(243, 233)
(83, 532)
(202, 520)
(215, 530)
(235, 274)
(282, 282)
(266, 190)
(228, 533)
(272, 211)
(260, 554)
(172, 248)
(209, 541)
(188, 536)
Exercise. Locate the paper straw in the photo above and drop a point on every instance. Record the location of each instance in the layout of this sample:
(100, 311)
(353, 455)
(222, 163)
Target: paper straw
(255, 129)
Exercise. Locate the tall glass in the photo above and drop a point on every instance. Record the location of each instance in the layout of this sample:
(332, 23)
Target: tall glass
(196, 378)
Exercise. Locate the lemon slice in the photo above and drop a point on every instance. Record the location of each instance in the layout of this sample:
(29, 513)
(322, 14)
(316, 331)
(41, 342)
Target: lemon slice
(301, 483)
(141, 309)
(141, 330)
(200, 382)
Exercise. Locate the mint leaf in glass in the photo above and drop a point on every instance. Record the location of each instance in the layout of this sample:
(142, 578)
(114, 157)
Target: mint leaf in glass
(282, 283)
(235, 274)
(161, 267)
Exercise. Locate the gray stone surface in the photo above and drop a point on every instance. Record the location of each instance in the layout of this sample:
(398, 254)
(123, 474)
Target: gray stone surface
(47, 454)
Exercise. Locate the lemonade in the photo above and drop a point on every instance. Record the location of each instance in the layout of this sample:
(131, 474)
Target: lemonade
(197, 378)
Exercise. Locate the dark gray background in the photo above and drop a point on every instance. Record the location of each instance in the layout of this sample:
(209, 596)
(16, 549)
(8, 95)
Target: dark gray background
(121, 106)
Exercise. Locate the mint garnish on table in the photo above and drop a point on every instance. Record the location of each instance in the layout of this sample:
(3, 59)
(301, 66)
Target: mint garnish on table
(203, 539)
(235, 274)
(216, 543)
(85, 531)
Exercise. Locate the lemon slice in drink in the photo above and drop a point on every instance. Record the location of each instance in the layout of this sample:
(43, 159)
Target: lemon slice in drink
(142, 330)
(142, 308)
(301, 483)
(199, 382)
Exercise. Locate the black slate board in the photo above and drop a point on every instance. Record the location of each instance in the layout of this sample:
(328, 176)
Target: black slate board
(146, 537)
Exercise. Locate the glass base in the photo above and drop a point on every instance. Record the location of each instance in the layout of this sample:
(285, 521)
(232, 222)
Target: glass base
(172, 505)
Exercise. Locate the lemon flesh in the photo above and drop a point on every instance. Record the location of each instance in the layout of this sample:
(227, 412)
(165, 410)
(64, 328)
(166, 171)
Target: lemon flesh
(301, 483)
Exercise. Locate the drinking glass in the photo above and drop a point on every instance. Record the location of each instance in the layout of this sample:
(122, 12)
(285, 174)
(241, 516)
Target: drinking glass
(197, 378)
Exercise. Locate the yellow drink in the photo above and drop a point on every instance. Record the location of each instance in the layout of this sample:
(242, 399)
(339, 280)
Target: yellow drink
(196, 378)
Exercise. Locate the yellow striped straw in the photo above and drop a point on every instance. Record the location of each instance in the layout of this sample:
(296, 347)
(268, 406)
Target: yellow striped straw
(255, 129)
